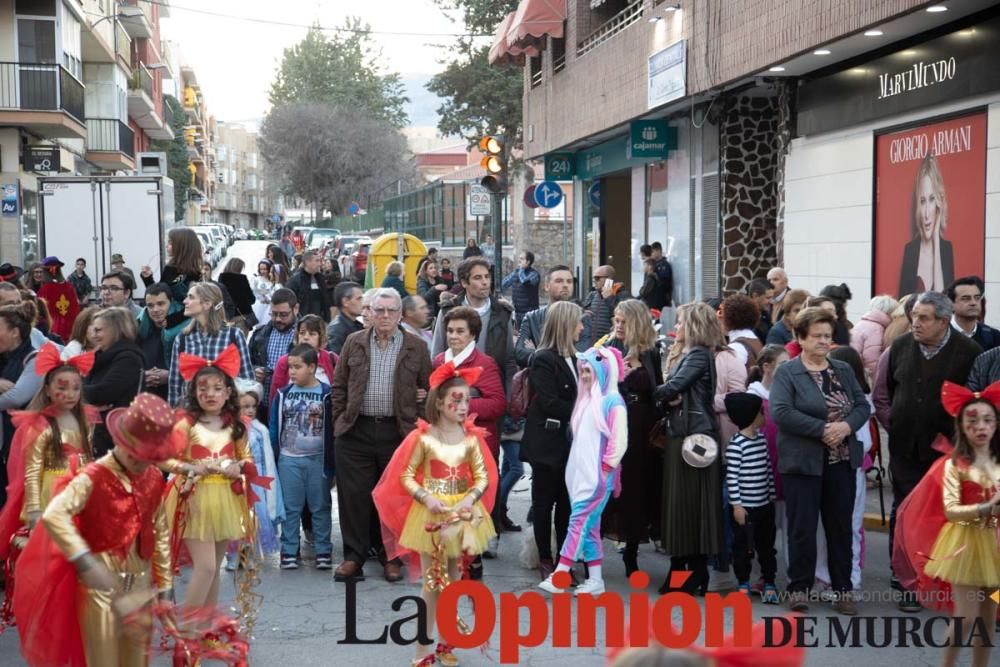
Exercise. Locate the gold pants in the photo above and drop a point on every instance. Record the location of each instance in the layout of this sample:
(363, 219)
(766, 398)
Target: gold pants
(104, 643)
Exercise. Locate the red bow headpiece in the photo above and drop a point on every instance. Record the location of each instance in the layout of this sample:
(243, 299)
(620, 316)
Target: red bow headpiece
(448, 371)
(955, 396)
(48, 358)
(228, 362)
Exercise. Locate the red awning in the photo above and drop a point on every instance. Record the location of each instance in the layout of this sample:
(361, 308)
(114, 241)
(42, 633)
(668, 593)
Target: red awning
(534, 20)
(501, 53)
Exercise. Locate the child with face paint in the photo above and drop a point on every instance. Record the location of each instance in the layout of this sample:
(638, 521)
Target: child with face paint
(600, 437)
(207, 500)
(441, 475)
(952, 515)
(53, 438)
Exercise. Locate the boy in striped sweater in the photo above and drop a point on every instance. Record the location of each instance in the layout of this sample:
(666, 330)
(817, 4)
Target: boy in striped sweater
(750, 482)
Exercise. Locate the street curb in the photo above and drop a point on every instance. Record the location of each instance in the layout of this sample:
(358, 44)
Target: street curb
(873, 521)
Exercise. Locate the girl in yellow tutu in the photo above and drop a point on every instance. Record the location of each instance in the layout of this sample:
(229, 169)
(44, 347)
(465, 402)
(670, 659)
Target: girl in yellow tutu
(955, 508)
(207, 497)
(435, 497)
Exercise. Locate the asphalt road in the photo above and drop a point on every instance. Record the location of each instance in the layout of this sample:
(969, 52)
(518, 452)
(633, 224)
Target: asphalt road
(304, 617)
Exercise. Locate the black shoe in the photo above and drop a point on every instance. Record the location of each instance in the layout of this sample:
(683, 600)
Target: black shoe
(631, 563)
(909, 603)
(508, 525)
(476, 569)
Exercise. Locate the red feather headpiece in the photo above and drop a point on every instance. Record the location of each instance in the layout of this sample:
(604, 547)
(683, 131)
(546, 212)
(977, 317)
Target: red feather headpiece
(448, 371)
(228, 362)
(955, 396)
(48, 358)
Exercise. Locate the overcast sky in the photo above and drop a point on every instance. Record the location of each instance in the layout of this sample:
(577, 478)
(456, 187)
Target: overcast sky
(235, 60)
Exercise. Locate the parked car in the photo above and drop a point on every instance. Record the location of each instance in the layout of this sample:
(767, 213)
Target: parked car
(360, 259)
(318, 238)
(344, 245)
(209, 251)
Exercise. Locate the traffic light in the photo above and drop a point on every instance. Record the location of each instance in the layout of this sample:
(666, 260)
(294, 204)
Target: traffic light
(494, 161)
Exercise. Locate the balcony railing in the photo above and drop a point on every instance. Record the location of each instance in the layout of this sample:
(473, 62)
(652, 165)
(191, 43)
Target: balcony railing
(142, 79)
(610, 28)
(40, 87)
(110, 135)
(123, 43)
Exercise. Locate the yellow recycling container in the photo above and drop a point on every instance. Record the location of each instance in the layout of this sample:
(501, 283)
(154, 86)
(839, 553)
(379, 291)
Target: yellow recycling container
(387, 249)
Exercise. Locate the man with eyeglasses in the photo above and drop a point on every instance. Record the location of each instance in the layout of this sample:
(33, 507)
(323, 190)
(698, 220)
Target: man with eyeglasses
(272, 340)
(602, 301)
(379, 387)
(116, 292)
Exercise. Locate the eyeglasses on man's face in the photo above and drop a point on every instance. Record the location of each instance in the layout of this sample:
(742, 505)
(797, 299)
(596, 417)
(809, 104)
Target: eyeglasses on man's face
(112, 288)
(382, 311)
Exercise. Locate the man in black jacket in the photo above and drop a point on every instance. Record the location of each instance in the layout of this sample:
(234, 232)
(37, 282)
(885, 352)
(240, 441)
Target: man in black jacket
(919, 363)
(348, 297)
(664, 275)
(559, 287)
(497, 337)
(307, 283)
(269, 342)
(967, 295)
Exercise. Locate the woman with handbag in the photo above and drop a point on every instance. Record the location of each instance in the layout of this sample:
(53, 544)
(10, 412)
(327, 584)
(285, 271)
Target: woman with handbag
(692, 471)
(818, 406)
(635, 513)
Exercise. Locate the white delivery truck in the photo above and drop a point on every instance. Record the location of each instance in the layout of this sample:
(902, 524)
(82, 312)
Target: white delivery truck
(95, 217)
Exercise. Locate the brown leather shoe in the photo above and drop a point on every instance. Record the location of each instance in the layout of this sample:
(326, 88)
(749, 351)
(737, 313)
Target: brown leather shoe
(393, 572)
(348, 570)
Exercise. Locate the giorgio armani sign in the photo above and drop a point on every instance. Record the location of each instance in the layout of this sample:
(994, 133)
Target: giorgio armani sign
(951, 67)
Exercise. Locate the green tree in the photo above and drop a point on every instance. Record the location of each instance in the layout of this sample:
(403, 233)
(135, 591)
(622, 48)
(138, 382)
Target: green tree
(341, 71)
(478, 99)
(177, 155)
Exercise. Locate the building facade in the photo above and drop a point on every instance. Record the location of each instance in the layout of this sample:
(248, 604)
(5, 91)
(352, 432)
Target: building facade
(80, 85)
(240, 198)
(198, 136)
(689, 123)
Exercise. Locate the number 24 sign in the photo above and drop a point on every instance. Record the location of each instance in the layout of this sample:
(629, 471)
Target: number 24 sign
(560, 167)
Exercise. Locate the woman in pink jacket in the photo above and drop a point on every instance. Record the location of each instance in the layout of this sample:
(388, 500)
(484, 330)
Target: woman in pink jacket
(866, 336)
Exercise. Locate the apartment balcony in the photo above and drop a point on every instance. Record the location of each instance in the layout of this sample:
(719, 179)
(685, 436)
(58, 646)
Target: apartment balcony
(137, 19)
(196, 154)
(43, 98)
(97, 40)
(110, 144)
(123, 47)
(141, 105)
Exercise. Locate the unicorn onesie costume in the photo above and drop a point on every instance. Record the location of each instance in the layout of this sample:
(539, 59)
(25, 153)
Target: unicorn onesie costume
(600, 436)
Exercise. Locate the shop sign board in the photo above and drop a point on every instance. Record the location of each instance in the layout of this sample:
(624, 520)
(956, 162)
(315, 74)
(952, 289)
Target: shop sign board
(9, 203)
(958, 65)
(479, 200)
(548, 194)
(652, 139)
(559, 167)
(42, 158)
(667, 75)
(917, 170)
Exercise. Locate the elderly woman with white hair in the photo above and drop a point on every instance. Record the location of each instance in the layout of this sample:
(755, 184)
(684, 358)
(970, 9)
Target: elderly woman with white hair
(867, 335)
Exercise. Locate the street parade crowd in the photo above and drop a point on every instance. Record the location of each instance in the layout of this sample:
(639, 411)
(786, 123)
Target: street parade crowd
(208, 428)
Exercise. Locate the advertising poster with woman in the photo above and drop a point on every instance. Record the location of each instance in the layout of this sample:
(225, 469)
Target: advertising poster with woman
(930, 205)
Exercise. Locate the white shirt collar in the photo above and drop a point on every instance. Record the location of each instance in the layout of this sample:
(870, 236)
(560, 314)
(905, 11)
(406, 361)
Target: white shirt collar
(459, 359)
(741, 333)
(956, 325)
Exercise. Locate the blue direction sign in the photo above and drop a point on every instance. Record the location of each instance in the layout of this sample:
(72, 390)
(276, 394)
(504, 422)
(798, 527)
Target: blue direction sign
(548, 194)
(354, 208)
(595, 194)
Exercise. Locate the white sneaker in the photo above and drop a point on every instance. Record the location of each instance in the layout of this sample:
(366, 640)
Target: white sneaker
(590, 587)
(547, 585)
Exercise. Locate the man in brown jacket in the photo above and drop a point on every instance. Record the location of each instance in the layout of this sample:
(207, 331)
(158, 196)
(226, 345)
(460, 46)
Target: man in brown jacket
(379, 386)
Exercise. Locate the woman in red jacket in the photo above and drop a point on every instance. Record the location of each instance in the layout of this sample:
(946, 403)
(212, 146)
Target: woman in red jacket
(309, 330)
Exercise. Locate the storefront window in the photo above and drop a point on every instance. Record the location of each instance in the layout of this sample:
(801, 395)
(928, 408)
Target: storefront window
(668, 215)
(591, 228)
(29, 226)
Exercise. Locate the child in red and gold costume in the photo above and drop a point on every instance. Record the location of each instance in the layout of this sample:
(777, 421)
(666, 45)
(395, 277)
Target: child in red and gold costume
(947, 543)
(105, 548)
(53, 437)
(207, 499)
(435, 497)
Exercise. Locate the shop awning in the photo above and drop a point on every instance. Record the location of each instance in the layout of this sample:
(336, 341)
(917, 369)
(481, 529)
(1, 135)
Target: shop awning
(501, 52)
(534, 20)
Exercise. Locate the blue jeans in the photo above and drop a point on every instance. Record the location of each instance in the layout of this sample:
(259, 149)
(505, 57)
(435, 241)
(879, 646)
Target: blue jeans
(511, 471)
(302, 483)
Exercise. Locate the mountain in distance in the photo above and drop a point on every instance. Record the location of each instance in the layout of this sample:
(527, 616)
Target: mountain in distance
(423, 105)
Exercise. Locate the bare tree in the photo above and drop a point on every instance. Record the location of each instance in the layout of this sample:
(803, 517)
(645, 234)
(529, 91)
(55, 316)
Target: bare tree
(333, 156)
